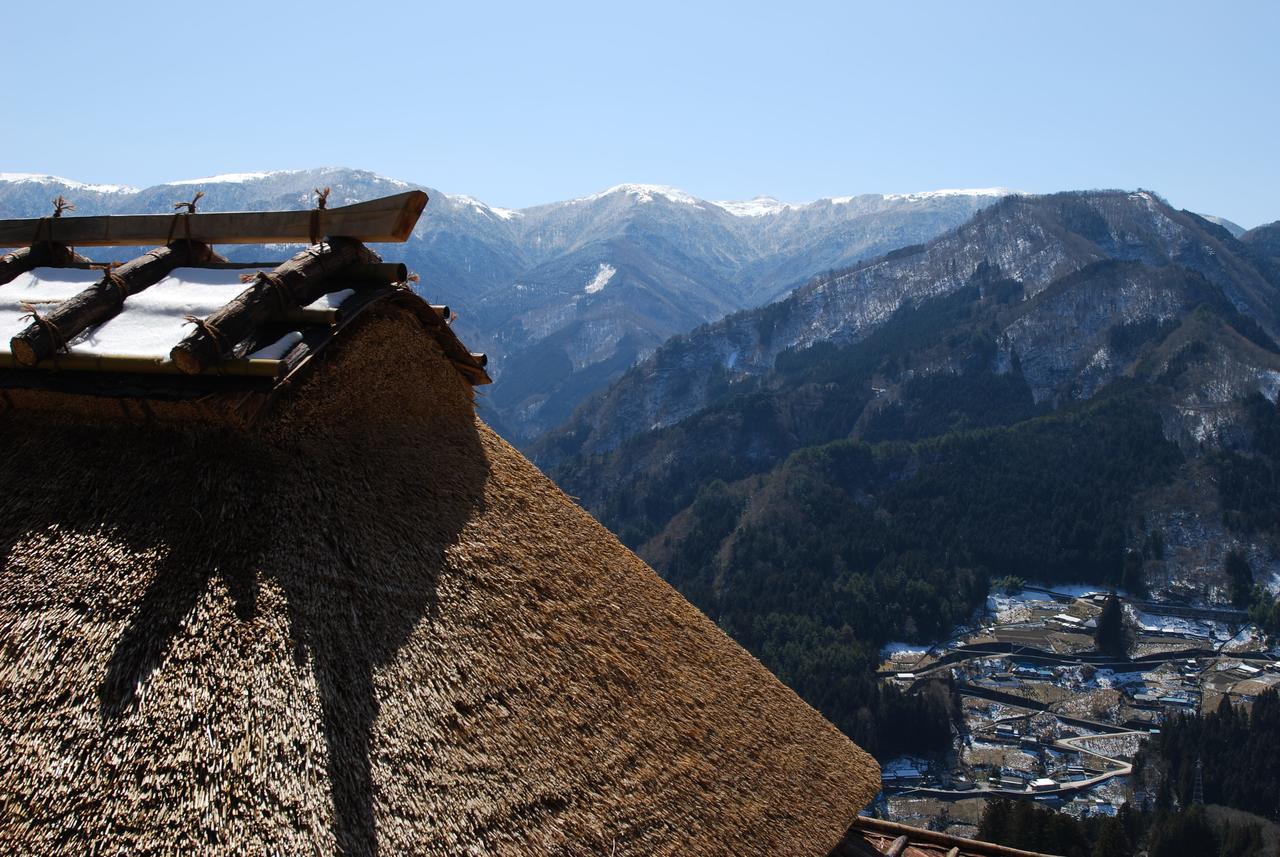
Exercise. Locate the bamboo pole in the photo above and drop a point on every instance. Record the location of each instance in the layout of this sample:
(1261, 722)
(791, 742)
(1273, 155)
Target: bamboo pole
(294, 284)
(103, 300)
(36, 256)
(389, 218)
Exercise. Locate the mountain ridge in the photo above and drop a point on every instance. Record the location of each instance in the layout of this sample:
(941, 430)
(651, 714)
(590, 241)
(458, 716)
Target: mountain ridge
(525, 282)
(1057, 235)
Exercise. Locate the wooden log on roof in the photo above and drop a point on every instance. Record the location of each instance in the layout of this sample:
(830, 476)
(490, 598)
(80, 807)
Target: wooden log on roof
(390, 218)
(36, 256)
(296, 283)
(898, 848)
(103, 300)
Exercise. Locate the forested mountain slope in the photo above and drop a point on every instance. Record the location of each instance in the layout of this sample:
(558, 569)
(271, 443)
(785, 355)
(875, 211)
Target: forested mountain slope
(1034, 241)
(1075, 388)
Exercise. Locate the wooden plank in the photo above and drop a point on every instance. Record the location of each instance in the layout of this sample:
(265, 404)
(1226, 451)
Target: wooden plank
(390, 218)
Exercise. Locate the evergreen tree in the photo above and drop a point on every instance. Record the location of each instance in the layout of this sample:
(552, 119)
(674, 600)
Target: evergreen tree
(1184, 834)
(1112, 840)
(1112, 636)
(1239, 578)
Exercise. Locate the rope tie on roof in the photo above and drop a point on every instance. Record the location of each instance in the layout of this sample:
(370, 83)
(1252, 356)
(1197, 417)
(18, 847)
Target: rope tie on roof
(189, 206)
(283, 296)
(42, 225)
(210, 331)
(317, 215)
(109, 275)
(45, 224)
(59, 341)
(184, 216)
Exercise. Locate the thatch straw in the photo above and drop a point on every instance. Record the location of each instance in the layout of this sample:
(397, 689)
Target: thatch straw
(365, 625)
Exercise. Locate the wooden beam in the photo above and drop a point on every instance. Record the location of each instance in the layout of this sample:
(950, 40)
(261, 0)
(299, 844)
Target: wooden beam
(36, 256)
(103, 300)
(390, 218)
(296, 283)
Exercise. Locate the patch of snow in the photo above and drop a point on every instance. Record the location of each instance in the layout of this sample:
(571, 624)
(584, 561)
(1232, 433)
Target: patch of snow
(601, 279)
(761, 206)
(333, 300)
(230, 178)
(152, 320)
(645, 193)
(279, 348)
(888, 650)
(1249, 639)
(42, 288)
(484, 208)
(34, 178)
(1081, 590)
(920, 196)
(391, 181)
(1201, 629)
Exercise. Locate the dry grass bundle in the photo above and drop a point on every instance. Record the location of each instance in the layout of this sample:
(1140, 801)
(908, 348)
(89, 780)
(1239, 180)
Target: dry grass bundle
(365, 625)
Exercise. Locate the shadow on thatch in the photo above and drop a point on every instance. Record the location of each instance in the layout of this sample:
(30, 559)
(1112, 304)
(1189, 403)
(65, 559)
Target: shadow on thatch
(346, 524)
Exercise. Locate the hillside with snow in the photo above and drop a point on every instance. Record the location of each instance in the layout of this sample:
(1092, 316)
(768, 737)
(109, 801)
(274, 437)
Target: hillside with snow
(566, 296)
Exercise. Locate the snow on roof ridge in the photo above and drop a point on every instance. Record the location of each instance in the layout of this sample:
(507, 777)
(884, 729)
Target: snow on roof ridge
(38, 178)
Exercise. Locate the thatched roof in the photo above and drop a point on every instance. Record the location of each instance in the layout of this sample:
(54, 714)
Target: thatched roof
(361, 622)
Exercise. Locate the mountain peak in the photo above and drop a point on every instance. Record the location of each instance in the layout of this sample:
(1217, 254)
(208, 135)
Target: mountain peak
(645, 193)
(936, 194)
(483, 207)
(231, 178)
(36, 178)
(758, 207)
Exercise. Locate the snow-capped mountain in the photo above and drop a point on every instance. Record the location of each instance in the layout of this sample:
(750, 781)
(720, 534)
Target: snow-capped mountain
(1046, 244)
(566, 296)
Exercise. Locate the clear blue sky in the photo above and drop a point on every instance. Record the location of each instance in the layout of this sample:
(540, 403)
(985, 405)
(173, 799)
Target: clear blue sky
(530, 102)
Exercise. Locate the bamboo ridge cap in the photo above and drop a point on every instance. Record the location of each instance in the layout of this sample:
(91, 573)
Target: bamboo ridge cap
(386, 219)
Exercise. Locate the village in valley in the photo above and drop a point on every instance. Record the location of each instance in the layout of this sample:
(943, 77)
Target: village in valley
(1046, 716)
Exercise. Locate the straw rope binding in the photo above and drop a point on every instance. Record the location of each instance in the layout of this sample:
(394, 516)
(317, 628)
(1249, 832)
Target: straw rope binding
(59, 341)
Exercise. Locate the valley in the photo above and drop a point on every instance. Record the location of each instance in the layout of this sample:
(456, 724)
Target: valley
(1041, 714)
